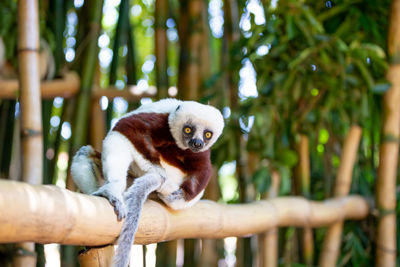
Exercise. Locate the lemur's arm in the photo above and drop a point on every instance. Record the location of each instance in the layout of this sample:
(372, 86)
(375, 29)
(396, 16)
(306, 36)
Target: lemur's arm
(199, 173)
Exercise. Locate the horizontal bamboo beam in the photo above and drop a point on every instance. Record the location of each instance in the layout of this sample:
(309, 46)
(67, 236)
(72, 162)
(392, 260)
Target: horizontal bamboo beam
(49, 214)
(66, 87)
(129, 94)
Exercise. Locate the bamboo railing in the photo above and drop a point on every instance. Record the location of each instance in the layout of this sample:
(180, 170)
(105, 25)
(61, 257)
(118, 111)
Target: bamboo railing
(49, 214)
(268, 242)
(386, 247)
(66, 87)
(303, 187)
(31, 117)
(333, 237)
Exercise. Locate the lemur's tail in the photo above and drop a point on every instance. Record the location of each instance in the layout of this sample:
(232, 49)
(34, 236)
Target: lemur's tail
(86, 169)
(134, 197)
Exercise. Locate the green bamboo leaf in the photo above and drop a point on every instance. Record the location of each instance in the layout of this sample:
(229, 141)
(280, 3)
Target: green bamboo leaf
(313, 21)
(262, 179)
(287, 157)
(305, 30)
(290, 27)
(369, 80)
(301, 57)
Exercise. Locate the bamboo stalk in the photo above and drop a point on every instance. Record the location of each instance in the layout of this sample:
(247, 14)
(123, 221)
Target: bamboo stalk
(89, 60)
(191, 88)
(333, 237)
(66, 87)
(97, 257)
(49, 214)
(161, 47)
(209, 247)
(268, 242)
(386, 247)
(31, 119)
(97, 118)
(303, 187)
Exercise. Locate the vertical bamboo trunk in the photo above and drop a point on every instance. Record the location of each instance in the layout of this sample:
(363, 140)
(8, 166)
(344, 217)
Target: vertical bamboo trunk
(97, 257)
(332, 241)
(244, 252)
(268, 242)
(57, 23)
(166, 254)
(303, 187)
(166, 251)
(7, 125)
(386, 247)
(120, 38)
(89, 61)
(183, 27)
(161, 47)
(31, 120)
(97, 120)
(209, 249)
(131, 60)
(192, 73)
(92, 10)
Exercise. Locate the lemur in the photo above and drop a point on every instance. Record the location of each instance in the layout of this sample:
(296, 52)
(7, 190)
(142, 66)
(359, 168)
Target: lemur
(165, 145)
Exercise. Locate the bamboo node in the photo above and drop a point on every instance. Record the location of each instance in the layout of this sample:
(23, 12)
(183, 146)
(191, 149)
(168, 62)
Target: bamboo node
(30, 133)
(28, 49)
(390, 138)
(384, 212)
(24, 252)
(386, 249)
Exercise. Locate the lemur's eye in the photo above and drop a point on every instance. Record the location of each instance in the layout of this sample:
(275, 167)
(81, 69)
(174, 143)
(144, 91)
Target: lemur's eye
(187, 130)
(208, 135)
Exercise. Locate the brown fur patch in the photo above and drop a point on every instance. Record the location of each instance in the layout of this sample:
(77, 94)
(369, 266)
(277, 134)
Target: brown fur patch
(151, 136)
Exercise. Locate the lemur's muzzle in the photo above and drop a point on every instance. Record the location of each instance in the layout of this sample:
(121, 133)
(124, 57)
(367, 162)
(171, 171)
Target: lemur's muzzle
(196, 144)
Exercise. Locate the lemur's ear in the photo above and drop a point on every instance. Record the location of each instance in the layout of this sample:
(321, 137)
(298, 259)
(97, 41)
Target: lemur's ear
(178, 108)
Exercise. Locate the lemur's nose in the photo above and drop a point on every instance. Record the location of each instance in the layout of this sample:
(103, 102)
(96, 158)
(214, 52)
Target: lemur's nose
(196, 143)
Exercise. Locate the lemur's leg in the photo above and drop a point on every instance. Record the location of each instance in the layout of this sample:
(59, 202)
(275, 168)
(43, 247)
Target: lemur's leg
(134, 197)
(117, 156)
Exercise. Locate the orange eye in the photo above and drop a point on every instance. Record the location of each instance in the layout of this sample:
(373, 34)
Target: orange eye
(208, 135)
(187, 130)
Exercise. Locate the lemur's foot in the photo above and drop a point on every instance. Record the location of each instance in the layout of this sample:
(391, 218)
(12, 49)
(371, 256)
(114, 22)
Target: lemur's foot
(116, 202)
(172, 197)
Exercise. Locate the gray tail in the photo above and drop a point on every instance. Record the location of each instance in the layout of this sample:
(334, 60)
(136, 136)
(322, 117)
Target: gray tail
(134, 197)
(86, 169)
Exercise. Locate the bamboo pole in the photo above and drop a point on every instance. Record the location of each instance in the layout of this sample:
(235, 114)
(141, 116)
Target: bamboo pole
(49, 214)
(386, 247)
(66, 87)
(192, 74)
(268, 242)
(97, 118)
(161, 47)
(97, 257)
(303, 187)
(333, 237)
(31, 119)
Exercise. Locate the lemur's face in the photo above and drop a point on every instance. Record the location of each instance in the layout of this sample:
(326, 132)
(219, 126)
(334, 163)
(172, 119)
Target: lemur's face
(196, 136)
(195, 126)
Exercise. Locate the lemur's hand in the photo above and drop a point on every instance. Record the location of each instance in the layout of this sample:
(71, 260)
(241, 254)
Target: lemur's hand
(115, 200)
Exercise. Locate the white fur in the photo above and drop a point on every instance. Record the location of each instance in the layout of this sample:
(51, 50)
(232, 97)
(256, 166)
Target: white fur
(181, 203)
(167, 105)
(174, 179)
